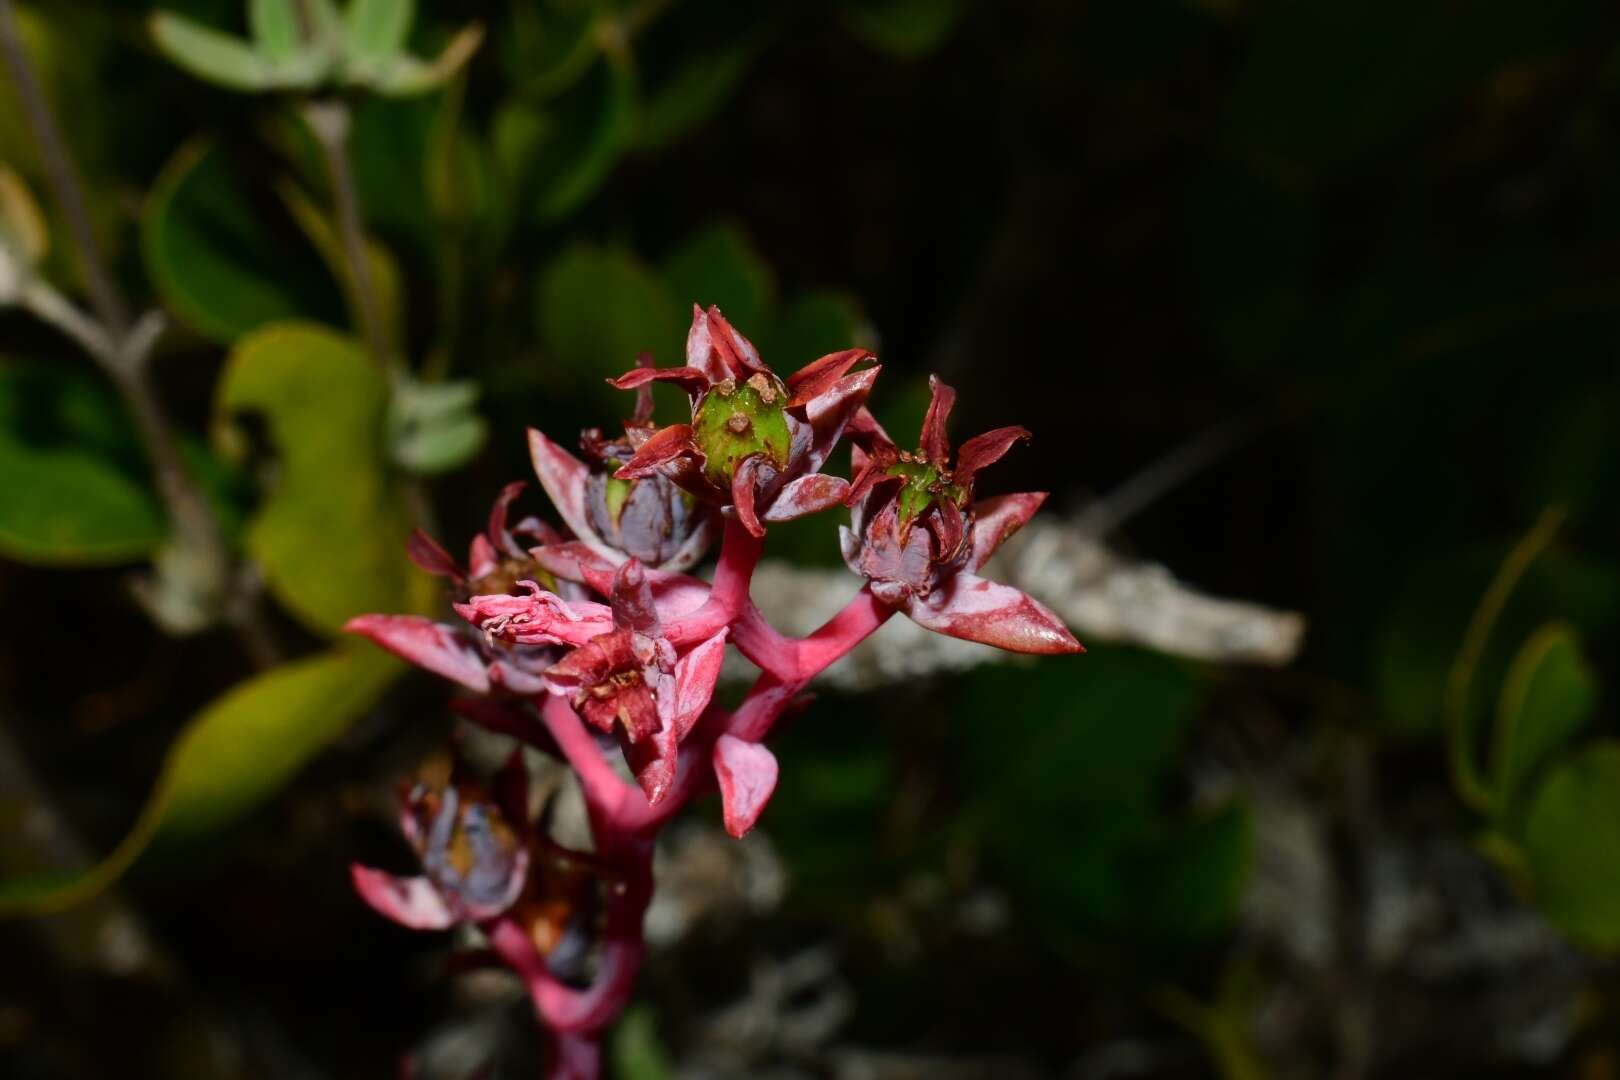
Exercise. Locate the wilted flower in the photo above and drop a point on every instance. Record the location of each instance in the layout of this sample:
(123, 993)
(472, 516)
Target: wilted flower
(651, 518)
(496, 563)
(755, 442)
(918, 536)
(474, 849)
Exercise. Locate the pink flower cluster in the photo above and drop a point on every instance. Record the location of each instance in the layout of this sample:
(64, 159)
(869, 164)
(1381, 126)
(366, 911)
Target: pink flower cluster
(581, 643)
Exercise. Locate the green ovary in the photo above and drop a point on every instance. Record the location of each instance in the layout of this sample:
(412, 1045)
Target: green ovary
(737, 422)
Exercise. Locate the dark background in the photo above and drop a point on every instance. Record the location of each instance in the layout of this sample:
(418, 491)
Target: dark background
(1378, 240)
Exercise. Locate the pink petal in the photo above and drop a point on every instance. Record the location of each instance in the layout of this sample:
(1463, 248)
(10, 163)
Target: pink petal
(412, 901)
(540, 618)
(934, 443)
(664, 446)
(425, 552)
(515, 679)
(807, 495)
(498, 536)
(818, 376)
(696, 674)
(744, 483)
(482, 558)
(692, 380)
(996, 519)
(984, 450)
(633, 607)
(654, 762)
(440, 649)
(673, 594)
(971, 608)
(563, 476)
(747, 774)
(828, 413)
(736, 352)
(700, 350)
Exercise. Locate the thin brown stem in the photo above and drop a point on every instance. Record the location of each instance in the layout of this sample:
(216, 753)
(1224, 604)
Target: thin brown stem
(330, 120)
(64, 180)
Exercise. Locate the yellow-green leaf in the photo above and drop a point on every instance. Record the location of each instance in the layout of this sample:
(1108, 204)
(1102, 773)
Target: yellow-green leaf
(1548, 696)
(1572, 837)
(232, 756)
(330, 533)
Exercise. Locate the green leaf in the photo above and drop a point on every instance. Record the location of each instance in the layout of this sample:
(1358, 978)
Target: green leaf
(719, 265)
(814, 324)
(433, 428)
(76, 491)
(691, 93)
(548, 46)
(1548, 697)
(222, 59)
(405, 76)
(386, 287)
(597, 309)
(377, 29)
(329, 536)
(556, 156)
(1573, 840)
(232, 756)
(213, 258)
(275, 27)
(1189, 883)
(905, 29)
(637, 1052)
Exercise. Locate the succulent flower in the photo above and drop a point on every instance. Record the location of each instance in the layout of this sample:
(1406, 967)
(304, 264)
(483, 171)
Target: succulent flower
(496, 563)
(623, 675)
(650, 518)
(755, 442)
(918, 536)
(474, 849)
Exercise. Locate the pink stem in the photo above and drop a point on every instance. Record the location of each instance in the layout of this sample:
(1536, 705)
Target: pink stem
(561, 1007)
(728, 597)
(790, 665)
(606, 793)
(576, 1057)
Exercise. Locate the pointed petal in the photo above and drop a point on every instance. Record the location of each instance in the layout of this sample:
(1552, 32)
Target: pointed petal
(511, 677)
(674, 594)
(653, 762)
(807, 495)
(864, 430)
(425, 552)
(563, 476)
(497, 531)
(440, 649)
(644, 394)
(692, 380)
(996, 519)
(633, 607)
(696, 674)
(974, 609)
(985, 450)
(873, 472)
(663, 447)
(829, 413)
(482, 559)
(744, 486)
(747, 774)
(934, 443)
(818, 376)
(849, 546)
(700, 349)
(412, 901)
(735, 352)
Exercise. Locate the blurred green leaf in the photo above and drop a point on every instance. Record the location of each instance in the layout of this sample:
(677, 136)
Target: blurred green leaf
(232, 756)
(406, 76)
(550, 44)
(905, 29)
(213, 258)
(75, 493)
(222, 59)
(377, 29)
(275, 28)
(1068, 758)
(386, 287)
(1572, 837)
(597, 309)
(693, 91)
(1548, 697)
(814, 323)
(1189, 883)
(555, 156)
(434, 427)
(719, 265)
(329, 535)
(637, 1052)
